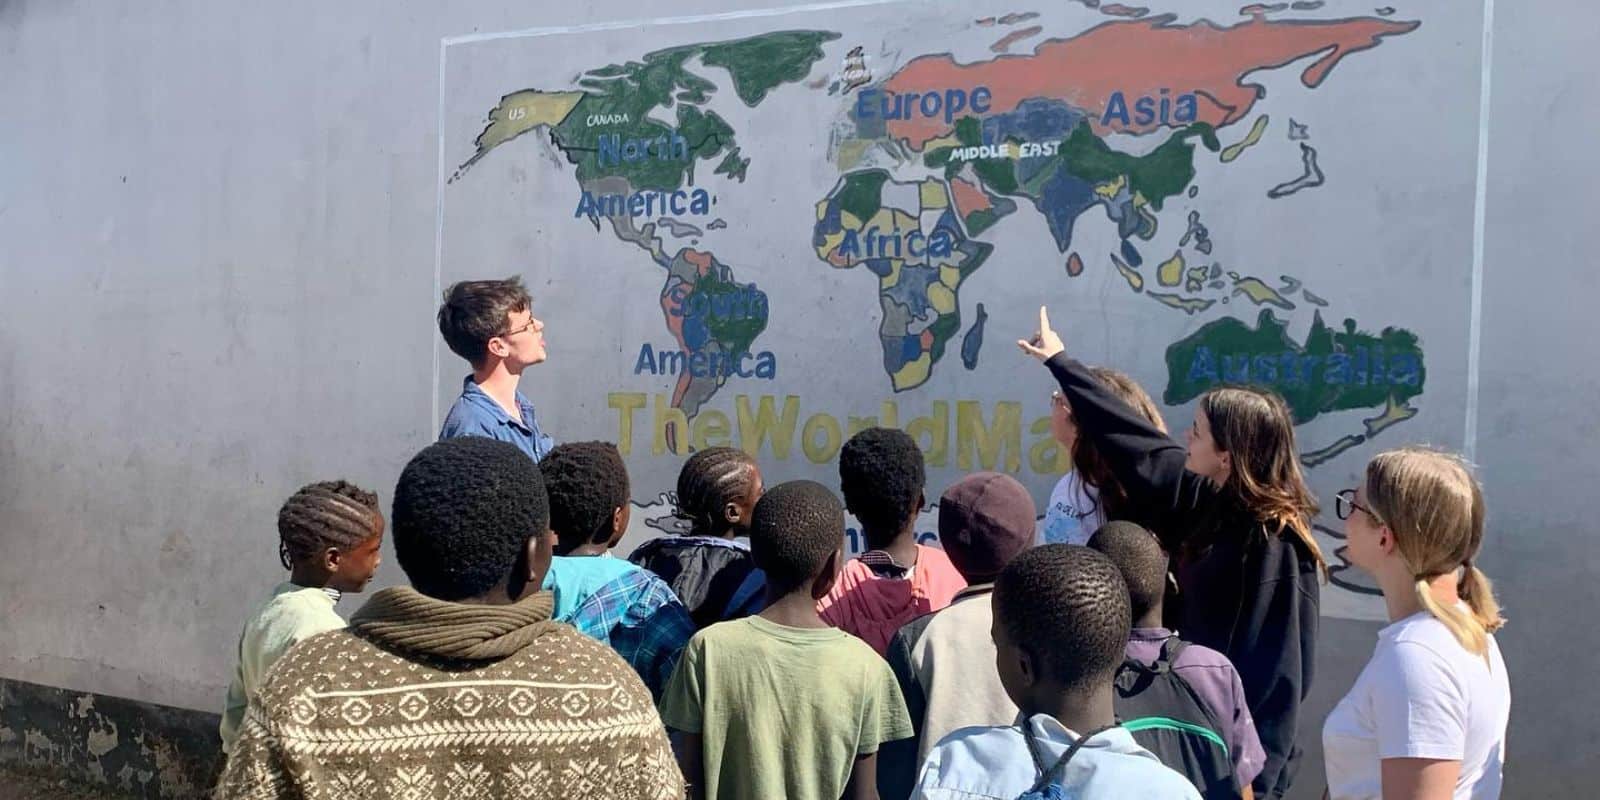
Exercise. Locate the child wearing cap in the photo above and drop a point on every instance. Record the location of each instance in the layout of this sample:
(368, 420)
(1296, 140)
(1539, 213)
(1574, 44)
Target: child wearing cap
(944, 661)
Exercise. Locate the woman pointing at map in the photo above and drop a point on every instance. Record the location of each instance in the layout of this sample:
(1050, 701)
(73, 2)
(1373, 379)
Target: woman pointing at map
(1234, 512)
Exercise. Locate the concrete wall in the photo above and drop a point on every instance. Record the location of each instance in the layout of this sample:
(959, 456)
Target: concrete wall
(216, 255)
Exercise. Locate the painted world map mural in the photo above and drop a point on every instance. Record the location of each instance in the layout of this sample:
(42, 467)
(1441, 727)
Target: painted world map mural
(770, 231)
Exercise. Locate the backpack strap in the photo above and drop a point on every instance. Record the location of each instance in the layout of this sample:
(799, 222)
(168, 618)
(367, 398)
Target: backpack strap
(1159, 723)
(1170, 648)
(1169, 653)
(1054, 772)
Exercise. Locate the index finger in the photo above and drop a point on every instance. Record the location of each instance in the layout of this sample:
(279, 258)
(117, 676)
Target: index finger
(1044, 319)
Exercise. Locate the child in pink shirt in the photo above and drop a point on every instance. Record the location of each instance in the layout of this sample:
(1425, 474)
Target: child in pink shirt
(881, 475)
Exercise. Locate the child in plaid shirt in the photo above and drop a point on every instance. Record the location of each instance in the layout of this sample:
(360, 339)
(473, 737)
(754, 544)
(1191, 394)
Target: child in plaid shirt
(609, 599)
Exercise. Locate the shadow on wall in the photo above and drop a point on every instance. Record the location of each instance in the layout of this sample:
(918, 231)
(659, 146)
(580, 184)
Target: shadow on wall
(145, 750)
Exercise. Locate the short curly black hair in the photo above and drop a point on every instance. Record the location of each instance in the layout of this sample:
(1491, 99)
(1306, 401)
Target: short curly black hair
(793, 530)
(464, 509)
(881, 474)
(710, 480)
(587, 482)
(1139, 557)
(323, 515)
(1067, 607)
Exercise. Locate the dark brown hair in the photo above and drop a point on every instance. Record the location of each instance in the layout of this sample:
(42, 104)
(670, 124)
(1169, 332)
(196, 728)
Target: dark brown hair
(323, 515)
(1086, 457)
(475, 312)
(1254, 427)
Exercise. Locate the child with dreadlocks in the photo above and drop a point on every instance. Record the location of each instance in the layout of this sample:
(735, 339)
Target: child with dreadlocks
(710, 568)
(881, 475)
(609, 599)
(329, 535)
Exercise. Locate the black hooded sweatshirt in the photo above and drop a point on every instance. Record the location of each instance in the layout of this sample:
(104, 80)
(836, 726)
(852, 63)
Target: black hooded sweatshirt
(1243, 590)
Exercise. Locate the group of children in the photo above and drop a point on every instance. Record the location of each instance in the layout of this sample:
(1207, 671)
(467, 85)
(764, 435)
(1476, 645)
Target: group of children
(749, 659)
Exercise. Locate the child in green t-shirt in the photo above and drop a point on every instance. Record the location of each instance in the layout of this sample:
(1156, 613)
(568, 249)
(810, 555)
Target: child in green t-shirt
(780, 704)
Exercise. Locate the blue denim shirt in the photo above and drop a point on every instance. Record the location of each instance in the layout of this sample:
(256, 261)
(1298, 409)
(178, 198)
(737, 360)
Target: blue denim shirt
(477, 414)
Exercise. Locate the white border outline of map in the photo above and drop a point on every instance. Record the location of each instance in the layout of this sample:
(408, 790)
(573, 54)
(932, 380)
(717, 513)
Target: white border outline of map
(1480, 202)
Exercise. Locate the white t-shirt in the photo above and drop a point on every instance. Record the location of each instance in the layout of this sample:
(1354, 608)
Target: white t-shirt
(1074, 513)
(1421, 696)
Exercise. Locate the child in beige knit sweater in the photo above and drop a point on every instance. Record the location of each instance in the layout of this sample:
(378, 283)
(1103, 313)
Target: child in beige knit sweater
(459, 685)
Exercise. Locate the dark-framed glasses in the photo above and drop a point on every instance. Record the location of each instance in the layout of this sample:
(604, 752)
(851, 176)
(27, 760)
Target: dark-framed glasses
(1344, 504)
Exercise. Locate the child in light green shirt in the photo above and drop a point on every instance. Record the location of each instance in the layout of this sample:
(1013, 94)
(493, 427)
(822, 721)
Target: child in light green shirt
(780, 704)
(329, 539)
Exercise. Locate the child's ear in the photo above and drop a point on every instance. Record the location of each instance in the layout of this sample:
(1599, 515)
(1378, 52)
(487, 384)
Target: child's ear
(825, 579)
(1027, 670)
(619, 525)
(730, 512)
(331, 558)
(532, 565)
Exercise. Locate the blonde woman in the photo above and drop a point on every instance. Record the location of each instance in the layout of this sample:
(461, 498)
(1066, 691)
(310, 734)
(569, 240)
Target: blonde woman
(1233, 509)
(1426, 719)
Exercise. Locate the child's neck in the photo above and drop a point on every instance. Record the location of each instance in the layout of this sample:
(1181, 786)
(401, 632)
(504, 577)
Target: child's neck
(1151, 618)
(901, 546)
(797, 609)
(309, 577)
(588, 550)
(1078, 712)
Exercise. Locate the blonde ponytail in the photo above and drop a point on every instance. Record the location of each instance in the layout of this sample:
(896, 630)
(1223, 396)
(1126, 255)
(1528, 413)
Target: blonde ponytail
(1465, 626)
(1478, 591)
(1434, 507)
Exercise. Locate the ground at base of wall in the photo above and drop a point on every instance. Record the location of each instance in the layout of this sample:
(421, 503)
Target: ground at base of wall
(18, 782)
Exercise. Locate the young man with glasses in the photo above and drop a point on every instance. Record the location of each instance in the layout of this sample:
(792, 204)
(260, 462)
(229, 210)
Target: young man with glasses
(491, 325)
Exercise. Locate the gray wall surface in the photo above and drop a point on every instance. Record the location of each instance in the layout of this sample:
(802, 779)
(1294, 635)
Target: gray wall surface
(216, 265)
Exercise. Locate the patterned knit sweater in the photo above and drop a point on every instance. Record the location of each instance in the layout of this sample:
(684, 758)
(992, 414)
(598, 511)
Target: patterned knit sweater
(422, 699)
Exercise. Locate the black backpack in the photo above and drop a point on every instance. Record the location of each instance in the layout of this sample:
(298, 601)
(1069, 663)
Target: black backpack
(1168, 718)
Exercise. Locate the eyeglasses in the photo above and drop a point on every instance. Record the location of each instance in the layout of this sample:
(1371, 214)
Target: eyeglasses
(508, 334)
(1058, 400)
(1344, 504)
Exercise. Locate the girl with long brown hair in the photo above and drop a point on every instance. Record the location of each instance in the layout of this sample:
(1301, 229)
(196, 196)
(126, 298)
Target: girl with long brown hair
(1427, 716)
(1234, 511)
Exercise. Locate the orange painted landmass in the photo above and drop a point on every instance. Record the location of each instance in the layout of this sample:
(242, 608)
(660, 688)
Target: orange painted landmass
(1139, 58)
(699, 258)
(968, 198)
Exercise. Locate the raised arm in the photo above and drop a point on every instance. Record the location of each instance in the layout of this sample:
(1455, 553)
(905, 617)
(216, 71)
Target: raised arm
(1148, 463)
